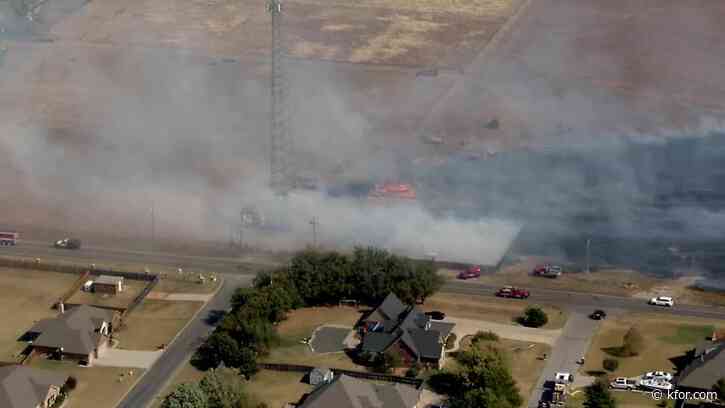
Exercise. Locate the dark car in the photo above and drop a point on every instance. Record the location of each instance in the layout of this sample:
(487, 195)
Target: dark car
(68, 243)
(436, 315)
(598, 315)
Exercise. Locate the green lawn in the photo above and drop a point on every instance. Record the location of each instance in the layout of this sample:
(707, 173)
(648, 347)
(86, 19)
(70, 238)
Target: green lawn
(688, 334)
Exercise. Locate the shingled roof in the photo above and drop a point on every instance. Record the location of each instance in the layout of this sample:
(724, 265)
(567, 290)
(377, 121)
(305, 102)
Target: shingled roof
(409, 325)
(704, 371)
(25, 387)
(349, 392)
(76, 330)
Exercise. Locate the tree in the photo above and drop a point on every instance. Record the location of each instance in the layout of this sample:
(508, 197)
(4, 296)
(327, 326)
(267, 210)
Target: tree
(610, 364)
(224, 389)
(186, 396)
(633, 342)
(386, 362)
(719, 388)
(487, 369)
(598, 396)
(534, 317)
(219, 347)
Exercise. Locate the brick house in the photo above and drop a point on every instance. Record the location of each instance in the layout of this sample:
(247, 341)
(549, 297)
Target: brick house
(406, 331)
(82, 333)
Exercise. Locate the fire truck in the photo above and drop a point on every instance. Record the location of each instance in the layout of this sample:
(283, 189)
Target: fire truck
(390, 190)
(9, 238)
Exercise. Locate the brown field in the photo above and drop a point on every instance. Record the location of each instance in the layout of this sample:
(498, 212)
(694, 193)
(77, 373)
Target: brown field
(173, 284)
(27, 296)
(155, 322)
(98, 387)
(278, 388)
(131, 289)
(491, 310)
(666, 338)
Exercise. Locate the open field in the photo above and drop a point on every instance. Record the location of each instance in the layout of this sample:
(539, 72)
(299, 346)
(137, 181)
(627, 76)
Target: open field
(98, 387)
(525, 364)
(665, 337)
(277, 388)
(155, 322)
(624, 400)
(131, 289)
(172, 284)
(492, 310)
(27, 296)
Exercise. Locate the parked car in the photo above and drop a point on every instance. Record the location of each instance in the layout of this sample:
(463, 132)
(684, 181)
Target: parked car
(549, 271)
(622, 383)
(658, 384)
(470, 273)
(436, 315)
(68, 243)
(662, 301)
(564, 377)
(598, 315)
(658, 375)
(512, 292)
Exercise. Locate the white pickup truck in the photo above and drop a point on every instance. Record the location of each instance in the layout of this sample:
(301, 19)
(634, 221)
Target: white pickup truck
(622, 383)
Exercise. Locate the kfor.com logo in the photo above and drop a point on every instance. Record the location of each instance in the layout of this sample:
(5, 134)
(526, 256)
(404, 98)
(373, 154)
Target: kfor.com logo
(659, 395)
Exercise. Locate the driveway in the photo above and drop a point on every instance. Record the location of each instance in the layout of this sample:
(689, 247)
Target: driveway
(127, 358)
(467, 327)
(571, 346)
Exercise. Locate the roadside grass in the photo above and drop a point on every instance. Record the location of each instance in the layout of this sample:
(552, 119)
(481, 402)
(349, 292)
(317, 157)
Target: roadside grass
(277, 388)
(173, 284)
(27, 296)
(525, 365)
(666, 340)
(688, 334)
(492, 310)
(97, 387)
(131, 289)
(155, 322)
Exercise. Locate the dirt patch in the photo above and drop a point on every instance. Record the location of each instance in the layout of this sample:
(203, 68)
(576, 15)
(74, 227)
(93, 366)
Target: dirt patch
(98, 387)
(665, 339)
(155, 322)
(492, 310)
(27, 297)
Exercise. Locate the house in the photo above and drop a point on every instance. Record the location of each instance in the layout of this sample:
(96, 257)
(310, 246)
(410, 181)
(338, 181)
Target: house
(25, 387)
(81, 333)
(349, 392)
(406, 331)
(705, 368)
(108, 284)
(321, 375)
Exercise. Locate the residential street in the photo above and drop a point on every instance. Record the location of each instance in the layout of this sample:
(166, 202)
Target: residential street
(570, 347)
(143, 393)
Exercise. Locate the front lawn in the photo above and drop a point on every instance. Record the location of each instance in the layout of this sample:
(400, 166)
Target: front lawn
(155, 322)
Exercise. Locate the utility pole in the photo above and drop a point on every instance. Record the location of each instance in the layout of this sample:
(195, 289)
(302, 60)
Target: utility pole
(314, 224)
(241, 229)
(589, 242)
(280, 142)
(153, 227)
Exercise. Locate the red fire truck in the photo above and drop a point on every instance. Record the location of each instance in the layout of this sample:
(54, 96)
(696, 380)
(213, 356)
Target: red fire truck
(8, 238)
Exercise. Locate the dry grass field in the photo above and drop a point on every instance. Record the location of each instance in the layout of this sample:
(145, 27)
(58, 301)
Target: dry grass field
(665, 337)
(491, 310)
(155, 322)
(98, 387)
(27, 296)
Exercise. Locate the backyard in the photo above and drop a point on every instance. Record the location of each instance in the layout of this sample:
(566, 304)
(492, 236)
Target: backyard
(131, 289)
(27, 296)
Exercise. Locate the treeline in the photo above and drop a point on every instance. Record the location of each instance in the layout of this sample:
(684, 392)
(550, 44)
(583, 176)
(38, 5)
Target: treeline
(218, 389)
(312, 278)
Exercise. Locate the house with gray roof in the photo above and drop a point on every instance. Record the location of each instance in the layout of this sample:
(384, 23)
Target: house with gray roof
(706, 367)
(25, 387)
(349, 392)
(407, 331)
(80, 333)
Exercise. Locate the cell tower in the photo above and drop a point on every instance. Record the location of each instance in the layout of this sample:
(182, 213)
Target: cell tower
(280, 141)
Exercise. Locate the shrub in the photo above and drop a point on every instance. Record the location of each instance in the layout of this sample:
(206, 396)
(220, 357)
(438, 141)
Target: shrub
(451, 341)
(413, 371)
(534, 317)
(633, 342)
(610, 364)
(484, 336)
